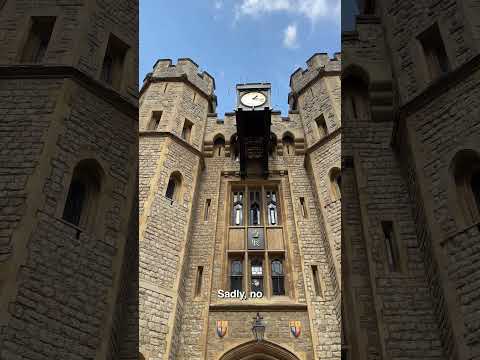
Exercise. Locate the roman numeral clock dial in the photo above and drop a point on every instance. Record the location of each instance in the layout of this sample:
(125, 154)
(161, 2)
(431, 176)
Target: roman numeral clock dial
(253, 99)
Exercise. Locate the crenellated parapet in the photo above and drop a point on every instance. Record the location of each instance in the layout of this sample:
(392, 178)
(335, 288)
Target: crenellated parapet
(319, 64)
(184, 70)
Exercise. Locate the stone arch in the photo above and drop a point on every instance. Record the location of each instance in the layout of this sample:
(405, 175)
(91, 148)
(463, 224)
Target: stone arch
(355, 72)
(288, 141)
(254, 350)
(174, 186)
(219, 145)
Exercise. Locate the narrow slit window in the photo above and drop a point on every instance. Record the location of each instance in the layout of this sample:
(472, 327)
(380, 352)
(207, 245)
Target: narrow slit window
(272, 208)
(434, 51)
(187, 130)
(206, 212)
(198, 285)
(255, 204)
(155, 120)
(38, 39)
(113, 62)
(391, 246)
(303, 207)
(316, 281)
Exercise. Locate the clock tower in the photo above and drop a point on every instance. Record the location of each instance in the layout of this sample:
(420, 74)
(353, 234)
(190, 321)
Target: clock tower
(253, 119)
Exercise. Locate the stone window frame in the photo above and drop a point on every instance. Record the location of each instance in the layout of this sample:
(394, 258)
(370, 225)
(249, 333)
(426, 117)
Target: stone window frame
(154, 125)
(335, 188)
(219, 146)
(266, 254)
(120, 78)
(422, 68)
(89, 171)
(27, 28)
(399, 247)
(177, 178)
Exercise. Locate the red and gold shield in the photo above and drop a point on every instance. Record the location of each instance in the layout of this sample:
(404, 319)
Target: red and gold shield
(221, 328)
(295, 328)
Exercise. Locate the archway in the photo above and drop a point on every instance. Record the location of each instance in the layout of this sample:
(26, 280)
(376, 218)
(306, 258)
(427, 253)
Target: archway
(253, 350)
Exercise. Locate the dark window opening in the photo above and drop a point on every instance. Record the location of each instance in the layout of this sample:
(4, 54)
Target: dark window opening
(75, 202)
(278, 278)
(38, 39)
(236, 275)
(113, 61)
(187, 130)
(434, 50)
(155, 120)
(391, 246)
(254, 213)
(475, 184)
(207, 209)
(316, 281)
(219, 146)
(198, 285)
(303, 207)
(321, 126)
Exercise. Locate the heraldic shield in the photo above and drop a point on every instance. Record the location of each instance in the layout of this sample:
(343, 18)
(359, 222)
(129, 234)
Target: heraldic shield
(221, 328)
(295, 328)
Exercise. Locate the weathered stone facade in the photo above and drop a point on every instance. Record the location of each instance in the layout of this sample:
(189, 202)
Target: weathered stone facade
(179, 235)
(410, 150)
(64, 285)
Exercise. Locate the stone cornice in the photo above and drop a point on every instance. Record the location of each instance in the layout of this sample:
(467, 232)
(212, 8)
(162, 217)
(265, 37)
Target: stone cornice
(45, 71)
(432, 92)
(323, 140)
(258, 307)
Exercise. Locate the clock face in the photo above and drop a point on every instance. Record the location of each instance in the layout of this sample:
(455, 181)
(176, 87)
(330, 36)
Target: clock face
(253, 99)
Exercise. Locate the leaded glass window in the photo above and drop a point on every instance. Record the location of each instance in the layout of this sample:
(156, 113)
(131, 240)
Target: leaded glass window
(237, 208)
(278, 278)
(236, 275)
(254, 213)
(272, 208)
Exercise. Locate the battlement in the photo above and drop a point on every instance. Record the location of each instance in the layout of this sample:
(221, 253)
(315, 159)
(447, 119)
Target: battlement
(185, 67)
(319, 62)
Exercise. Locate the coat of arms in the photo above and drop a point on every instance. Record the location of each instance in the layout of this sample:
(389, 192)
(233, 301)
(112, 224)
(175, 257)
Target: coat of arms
(295, 328)
(221, 328)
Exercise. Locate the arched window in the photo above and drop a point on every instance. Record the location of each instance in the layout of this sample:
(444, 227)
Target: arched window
(288, 145)
(257, 275)
(219, 146)
(237, 213)
(83, 193)
(272, 208)
(278, 281)
(174, 185)
(234, 148)
(272, 150)
(254, 213)
(335, 183)
(466, 167)
(236, 275)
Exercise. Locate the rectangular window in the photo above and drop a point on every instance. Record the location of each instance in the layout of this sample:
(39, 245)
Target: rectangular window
(237, 208)
(112, 68)
(391, 246)
(321, 126)
(198, 285)
(187, 130)
(434, 50)
(155, 120)
(236, 274)
(254, 214)
(303, 207)
(272, 207)
(316, 281)
(256, 275)
(278, 278)
(206, 211)
(38, 39)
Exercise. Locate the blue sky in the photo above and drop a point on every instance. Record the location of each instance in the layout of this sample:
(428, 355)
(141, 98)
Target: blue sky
(239, 41)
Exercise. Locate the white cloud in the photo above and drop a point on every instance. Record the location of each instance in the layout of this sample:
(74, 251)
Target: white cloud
(311, 9)
(218, 4)
(290, 36)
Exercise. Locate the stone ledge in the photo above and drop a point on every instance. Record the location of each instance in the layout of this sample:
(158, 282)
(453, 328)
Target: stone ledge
(44, 71)
(258, 307)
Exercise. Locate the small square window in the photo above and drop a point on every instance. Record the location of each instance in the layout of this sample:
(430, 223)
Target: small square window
(187, 130)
